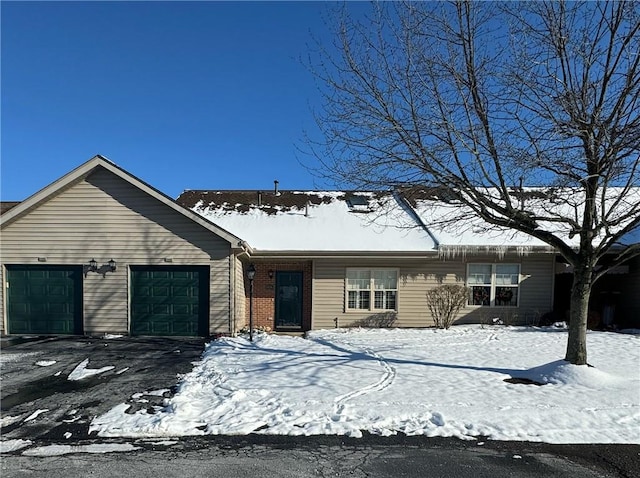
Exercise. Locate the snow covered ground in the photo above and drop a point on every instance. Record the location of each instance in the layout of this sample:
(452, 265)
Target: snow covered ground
(417, 382)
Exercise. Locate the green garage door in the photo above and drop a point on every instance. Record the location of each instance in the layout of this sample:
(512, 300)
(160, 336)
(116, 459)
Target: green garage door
(44, 299)
(169, 300)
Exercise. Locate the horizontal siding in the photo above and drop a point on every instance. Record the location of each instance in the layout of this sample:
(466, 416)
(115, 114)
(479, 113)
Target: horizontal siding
(2, 301)
(219, 310)
(105, 217)
(418, 276)
(240, 297)
(537, 273)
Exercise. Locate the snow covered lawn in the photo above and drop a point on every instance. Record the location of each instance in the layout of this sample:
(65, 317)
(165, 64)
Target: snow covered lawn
(417, 382)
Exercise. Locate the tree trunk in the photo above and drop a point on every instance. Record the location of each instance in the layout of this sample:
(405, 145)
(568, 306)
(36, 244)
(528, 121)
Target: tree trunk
(580, 292)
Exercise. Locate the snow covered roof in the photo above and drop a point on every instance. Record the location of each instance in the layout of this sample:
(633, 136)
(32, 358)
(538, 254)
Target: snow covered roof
(314, 221)
(459, 230)
(414, 221)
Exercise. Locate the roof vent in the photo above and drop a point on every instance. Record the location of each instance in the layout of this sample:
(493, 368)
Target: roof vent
(358, 203)
(275, 187)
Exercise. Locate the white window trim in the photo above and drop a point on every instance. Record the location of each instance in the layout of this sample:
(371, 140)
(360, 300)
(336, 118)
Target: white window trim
(372, 290)
(492, 299)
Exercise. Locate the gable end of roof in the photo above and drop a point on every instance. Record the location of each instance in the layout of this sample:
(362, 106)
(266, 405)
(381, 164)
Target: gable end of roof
(98, 161)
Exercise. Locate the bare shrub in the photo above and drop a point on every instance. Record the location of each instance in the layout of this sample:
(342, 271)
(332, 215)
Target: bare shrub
(444, 302)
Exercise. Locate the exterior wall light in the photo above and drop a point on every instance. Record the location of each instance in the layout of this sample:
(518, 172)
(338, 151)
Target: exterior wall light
(92, 266)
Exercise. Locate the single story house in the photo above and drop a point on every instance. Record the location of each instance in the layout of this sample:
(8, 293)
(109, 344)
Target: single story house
(100, 251)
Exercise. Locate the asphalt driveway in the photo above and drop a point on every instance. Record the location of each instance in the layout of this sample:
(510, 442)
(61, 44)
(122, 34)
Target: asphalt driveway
(40, 402)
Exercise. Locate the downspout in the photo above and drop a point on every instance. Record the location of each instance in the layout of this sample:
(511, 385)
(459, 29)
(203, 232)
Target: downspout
(244, 250)
(232, 293)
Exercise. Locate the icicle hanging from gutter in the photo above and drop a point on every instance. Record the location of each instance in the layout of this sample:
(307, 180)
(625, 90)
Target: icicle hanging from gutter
(462, 251)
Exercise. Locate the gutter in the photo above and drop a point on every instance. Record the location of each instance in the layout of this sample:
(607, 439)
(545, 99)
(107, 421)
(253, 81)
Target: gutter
(343, 254)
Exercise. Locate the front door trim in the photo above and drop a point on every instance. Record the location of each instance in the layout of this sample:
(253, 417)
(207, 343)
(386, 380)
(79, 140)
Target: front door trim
(289, 297)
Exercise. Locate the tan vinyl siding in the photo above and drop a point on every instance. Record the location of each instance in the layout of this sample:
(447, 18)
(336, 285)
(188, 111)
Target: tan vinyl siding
(105, 217)
(535, 291)
(416, 276)
(2, 288)
(240, 297)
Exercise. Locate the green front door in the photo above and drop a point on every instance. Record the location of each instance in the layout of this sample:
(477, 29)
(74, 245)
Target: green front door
(169, 300)
(288, 300)
(44, 299)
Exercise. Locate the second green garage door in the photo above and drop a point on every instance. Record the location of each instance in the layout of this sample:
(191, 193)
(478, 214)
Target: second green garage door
(169, 300)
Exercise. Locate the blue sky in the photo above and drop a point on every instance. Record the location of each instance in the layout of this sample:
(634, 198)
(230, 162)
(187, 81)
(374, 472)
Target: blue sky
(185, 95)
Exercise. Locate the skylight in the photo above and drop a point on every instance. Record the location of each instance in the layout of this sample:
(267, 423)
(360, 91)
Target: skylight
(357, 202)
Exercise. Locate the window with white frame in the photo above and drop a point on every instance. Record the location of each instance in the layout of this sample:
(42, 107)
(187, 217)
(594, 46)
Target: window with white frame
(495, 285)
(372, 289)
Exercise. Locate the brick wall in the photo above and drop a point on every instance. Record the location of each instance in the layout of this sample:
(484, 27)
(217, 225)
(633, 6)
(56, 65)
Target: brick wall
(264, 303)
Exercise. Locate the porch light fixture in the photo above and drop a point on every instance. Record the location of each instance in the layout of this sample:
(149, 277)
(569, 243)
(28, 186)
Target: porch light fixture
(92, 266)
(270, 273)
(251, 274)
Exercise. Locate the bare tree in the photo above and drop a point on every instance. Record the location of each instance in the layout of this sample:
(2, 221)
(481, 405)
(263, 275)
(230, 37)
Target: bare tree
(471, 97)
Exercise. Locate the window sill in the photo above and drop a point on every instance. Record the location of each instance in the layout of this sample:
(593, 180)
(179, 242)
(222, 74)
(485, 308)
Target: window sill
(493, 306)
(369, 311)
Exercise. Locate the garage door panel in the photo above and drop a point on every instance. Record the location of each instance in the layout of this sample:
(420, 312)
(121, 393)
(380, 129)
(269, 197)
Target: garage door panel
(58, 308)
(161, 309)
(165, 300)
(57, 290)
(185, 292)
(44, 299)
(184, 329)
(182, 310)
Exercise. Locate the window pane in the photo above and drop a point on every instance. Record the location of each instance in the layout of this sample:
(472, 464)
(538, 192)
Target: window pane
(364, 300)
(507, 274)
(507, 296)
(358, 280)
(385, 300)
(391, 299)
(385, 279)
(481, 295)
(358, 299)
(352, 300)
(507, 269)
(479, 274)
(378, 300)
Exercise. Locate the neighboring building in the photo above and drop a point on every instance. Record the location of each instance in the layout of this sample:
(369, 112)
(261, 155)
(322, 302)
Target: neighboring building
(100, 251)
